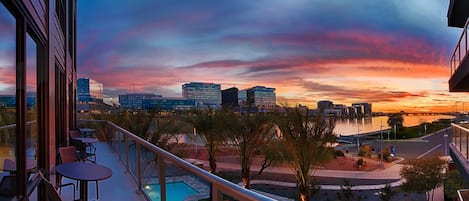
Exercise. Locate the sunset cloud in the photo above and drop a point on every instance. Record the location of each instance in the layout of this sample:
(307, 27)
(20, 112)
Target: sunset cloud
(387, 53)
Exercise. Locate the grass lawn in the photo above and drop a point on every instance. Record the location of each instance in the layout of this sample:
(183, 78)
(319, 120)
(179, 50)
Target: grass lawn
(418, 131)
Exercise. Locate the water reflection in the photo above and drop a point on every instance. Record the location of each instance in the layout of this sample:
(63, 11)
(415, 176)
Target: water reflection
(370, 124)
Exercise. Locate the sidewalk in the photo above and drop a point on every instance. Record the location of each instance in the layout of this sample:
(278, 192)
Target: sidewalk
(392, 172)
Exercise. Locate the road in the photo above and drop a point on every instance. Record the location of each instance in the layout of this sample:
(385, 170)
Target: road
(415, 148)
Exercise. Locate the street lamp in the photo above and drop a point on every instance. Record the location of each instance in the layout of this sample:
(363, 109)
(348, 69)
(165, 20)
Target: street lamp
(195, 140)
(358, 138)
(446, 144)
(381, 143)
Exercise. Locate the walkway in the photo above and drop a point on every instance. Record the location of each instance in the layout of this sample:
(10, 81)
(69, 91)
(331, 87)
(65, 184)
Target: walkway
(392, 172)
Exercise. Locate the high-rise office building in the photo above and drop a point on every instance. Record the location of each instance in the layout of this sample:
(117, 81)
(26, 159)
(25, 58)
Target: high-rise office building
(363, 108)
(260, 97)
(89, 90)
(205, 94)
(134, 101)
(243, 98)
(324, 106)
(229, 97)
(89, 94)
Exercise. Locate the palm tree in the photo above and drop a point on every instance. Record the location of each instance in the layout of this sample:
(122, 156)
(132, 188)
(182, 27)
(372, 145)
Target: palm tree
(395, 121)
(247, 133)
(306, 139)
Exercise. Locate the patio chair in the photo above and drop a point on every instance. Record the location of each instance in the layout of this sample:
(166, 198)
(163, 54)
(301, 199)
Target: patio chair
(70, 154)
(85, 152)
(51, 191)
(8, 187)
(91, 149)
(74, 133)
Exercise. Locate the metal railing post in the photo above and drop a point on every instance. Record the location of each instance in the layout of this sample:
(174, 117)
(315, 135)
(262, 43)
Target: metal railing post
(126, 141)
(139, 165)
(162, 177)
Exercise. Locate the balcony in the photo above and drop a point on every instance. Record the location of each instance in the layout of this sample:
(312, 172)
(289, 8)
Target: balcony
(457, 13)
(459, 81)
(459, 152)
(138, 167)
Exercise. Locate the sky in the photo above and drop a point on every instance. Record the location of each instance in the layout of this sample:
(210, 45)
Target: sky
(394, 54)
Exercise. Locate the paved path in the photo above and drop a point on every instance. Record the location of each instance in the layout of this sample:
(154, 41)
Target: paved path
(387, 173)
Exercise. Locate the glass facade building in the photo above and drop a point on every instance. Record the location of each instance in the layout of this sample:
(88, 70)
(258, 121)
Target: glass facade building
(205, 94)
(89, 94)
(169, 104)
(135, 101)
(260, 97)
(89, 90)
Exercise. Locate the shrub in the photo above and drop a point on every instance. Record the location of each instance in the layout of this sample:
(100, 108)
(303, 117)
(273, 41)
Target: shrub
(387, 154)
(359, 162)
(338, 153)
(362, 151)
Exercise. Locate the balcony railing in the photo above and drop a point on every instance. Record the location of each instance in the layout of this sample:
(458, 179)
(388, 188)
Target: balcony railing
(460, 51)
(461, 139)
(155, 170)
(8, 138)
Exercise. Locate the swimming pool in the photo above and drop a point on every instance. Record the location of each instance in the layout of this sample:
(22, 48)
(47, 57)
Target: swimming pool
(175, 191)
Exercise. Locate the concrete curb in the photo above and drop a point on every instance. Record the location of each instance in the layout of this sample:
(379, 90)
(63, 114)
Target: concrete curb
(328, 187)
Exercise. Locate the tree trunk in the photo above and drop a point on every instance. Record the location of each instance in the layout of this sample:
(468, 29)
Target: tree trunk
(246, 176)
(213, 165)
(246, 171)
(246, 183)
(264, 166)
(211, 158)
(304, 197)
(304, 192)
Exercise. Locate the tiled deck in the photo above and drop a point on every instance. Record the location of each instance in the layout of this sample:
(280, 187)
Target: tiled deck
(120, 186)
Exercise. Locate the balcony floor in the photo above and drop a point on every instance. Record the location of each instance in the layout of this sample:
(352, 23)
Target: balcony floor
(120, 186)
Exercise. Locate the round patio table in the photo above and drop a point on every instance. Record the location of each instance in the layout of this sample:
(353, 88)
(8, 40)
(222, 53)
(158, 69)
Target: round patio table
(84, 172)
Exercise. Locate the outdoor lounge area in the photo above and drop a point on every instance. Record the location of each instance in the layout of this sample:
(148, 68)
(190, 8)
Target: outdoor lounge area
(135, 172)
(140, 166)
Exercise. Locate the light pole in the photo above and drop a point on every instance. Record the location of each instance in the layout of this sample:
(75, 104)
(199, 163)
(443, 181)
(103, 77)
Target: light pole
(358, 138)
(195, 139)
(381, 142)
(446, 144)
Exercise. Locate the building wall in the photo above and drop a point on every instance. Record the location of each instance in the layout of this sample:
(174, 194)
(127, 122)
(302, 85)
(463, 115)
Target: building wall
(43, 60)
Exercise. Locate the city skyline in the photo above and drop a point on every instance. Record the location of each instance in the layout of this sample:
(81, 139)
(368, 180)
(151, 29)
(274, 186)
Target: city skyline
(394, 54)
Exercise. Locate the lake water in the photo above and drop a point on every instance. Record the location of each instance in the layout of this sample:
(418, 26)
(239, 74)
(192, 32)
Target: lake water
(370, 124)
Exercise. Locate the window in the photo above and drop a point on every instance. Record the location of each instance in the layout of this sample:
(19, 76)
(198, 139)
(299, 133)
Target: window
(7, 83)
(60, 11)
(31, 98)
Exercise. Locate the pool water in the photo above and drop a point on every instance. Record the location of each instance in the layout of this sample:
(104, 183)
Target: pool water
(175, 191)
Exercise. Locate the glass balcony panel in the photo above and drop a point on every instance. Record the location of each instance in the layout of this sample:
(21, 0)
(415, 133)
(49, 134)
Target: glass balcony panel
(179, 183)
(463, 138)
(132, 157)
